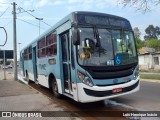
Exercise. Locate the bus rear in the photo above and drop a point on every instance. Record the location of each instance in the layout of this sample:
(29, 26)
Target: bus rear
(106, 61)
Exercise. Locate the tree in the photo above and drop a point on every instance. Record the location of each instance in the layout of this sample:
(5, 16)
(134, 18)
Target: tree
(143, 5)
(137, 33)
(152, 32)
(139, 43)
(154, 43)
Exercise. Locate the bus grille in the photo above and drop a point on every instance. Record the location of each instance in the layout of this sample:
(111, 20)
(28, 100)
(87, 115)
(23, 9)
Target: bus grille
(112, 72)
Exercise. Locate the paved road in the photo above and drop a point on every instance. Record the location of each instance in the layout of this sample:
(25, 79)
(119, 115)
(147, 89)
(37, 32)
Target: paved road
(148, 98)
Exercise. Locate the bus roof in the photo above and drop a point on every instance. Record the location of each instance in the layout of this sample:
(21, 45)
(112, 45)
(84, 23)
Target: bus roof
(97, 14)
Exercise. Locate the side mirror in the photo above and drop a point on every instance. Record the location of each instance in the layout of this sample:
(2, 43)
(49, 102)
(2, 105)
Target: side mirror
(76, 37)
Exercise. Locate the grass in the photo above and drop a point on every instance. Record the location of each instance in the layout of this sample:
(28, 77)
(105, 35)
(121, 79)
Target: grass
(150, 77)
(150, 71)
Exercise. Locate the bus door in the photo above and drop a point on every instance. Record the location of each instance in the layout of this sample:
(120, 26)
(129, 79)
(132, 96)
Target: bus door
(35, 64)
(66, 59)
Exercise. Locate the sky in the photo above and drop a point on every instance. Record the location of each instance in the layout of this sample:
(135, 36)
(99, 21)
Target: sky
(53, 10)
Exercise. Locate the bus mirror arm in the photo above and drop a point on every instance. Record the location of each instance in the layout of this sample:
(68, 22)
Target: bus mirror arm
(76, 37)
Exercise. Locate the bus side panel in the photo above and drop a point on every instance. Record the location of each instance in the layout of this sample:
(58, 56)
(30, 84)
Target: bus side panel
(42, 71)
(28, 67)
(45, 68)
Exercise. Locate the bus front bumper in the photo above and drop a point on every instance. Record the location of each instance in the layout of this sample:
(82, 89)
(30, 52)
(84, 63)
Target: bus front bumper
(96, 93)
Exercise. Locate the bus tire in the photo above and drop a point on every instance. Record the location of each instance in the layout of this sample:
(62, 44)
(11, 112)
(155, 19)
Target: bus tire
(55, 89)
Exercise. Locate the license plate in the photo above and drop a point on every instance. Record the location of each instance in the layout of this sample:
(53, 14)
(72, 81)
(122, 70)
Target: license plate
(117, 90)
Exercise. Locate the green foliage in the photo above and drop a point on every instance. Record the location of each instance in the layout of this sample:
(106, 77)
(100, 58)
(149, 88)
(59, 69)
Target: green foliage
(151, 37)
(150, 77)
(154, 43)
(149, 71)
(139, 43)
(137, 32)
(152, 32)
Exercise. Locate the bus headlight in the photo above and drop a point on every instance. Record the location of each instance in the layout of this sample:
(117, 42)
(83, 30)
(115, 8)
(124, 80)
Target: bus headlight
(84, 79)
(136, 73)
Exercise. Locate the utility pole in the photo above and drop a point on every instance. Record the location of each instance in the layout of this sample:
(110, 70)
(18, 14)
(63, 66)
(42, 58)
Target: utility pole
(14, 42)
(4, 64)
(39, 23)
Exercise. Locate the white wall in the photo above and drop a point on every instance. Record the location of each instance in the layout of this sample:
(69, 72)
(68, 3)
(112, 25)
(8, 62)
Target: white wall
(147, 61)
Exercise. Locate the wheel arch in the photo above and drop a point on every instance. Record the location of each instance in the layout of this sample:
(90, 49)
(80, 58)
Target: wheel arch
(50, 78)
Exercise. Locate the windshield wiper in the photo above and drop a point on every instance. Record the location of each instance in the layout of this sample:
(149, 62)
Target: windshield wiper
(98, 44)
(96, 36)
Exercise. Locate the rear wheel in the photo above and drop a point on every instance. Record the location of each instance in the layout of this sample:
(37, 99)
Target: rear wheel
(55, 89)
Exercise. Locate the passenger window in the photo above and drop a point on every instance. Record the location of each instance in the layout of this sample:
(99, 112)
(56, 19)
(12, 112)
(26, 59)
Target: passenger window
(28, 53)
(41, 43)
(41, 48)
(51, 42)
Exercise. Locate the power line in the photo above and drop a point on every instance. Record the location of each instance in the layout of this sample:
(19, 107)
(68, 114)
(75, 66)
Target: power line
(34, 16)
(5, 18)
(4, 12)
(21, 1)
(28, 12)
(4, 3)
(7, 23)
(46, 23)
(29, 23)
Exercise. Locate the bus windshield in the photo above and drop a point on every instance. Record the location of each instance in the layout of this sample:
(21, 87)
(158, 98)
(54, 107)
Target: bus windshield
(106, 47)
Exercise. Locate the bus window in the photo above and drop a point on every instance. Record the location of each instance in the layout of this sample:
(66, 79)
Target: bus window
(52, 50)
(42, 48)
(51, 44)
(42, 52)
(55, 49)
(64, 48)
(41, 43)
(28, 53)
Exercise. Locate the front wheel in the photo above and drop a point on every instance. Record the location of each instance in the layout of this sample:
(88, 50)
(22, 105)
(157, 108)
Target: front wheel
(55, 89)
